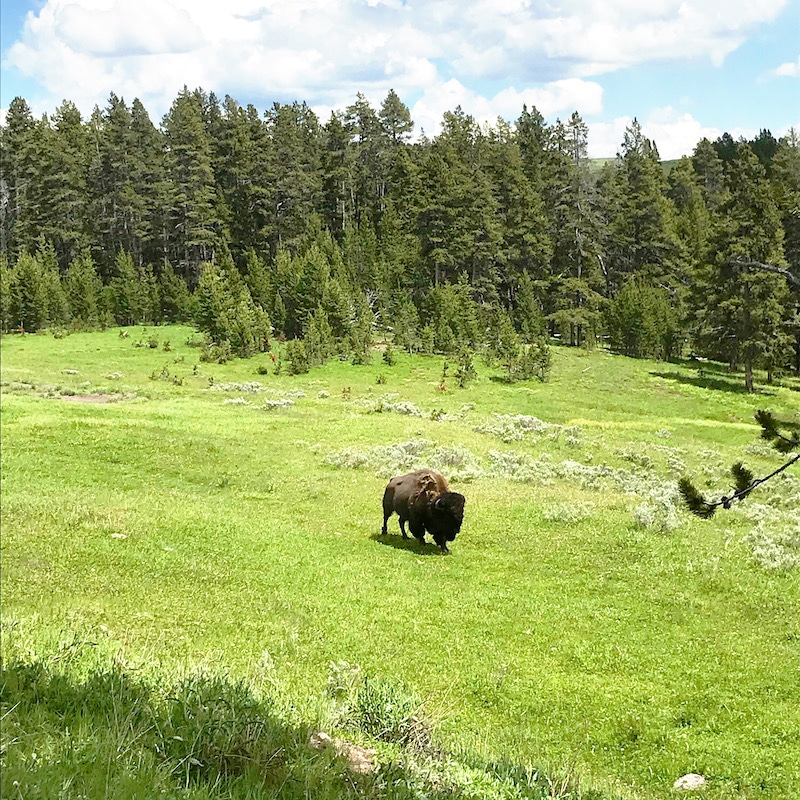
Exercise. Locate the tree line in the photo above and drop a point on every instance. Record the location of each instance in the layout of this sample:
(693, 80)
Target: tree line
(482, 238)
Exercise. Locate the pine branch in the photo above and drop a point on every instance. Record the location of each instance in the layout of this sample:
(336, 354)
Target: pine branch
(695, 501)
(743, 477)
(701, 507)
(771, 431)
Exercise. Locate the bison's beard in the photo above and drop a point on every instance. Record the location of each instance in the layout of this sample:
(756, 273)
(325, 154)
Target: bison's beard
(446, 515)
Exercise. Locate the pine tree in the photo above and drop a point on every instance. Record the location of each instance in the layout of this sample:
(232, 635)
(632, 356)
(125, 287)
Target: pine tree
(406, 327)
(56, 308)
(26, 296)
(361, 330)
(786, 182)
(6, 278)
(176, 300)
(84, 292)
(134, 292)
(740, 311)
(454, 316)
(148, 180)
(195, 223)
(710, 171)
(367, 141)
(528, 316)
(693, 220)
(119, 208)
(783, 436)
(241, 174)
(573, 301)
(294, 176)
(533, 138)
(68, 193)
(15, 143)
(641, 321)
(641, 234)
(395, 119)
(296, 357)
(525, 245)
(258, 280)
(458, 219)
(337, 167)
(319, 339)
(53, 165)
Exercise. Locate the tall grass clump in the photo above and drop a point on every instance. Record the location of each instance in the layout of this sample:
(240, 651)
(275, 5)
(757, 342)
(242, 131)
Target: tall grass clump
(383, 709)
(214, 728)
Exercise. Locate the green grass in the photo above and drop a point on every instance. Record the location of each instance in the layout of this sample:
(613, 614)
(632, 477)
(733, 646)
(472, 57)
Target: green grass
(172, 531)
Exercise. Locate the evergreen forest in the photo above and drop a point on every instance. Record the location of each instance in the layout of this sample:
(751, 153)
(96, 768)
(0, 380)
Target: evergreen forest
(497, 239)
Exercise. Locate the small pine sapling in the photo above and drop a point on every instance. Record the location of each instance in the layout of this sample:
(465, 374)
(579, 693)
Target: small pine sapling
(466, 369)
(443, 380)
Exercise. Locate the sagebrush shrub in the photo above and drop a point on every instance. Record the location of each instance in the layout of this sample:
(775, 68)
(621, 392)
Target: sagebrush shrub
(660, 509)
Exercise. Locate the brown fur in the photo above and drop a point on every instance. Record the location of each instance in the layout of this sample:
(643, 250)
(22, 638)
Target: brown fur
(424, 500)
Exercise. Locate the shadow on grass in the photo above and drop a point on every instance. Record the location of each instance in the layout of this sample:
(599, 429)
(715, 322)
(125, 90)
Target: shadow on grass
(713, 379)
(112, 728)
(410, 545)
(114, 735)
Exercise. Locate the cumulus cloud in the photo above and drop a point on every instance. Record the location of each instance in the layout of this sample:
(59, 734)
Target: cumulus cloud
(791, 69)
(435, 55)
(675, 133)
(559, 98)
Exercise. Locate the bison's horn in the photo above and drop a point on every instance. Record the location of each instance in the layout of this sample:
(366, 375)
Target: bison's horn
(438, 502)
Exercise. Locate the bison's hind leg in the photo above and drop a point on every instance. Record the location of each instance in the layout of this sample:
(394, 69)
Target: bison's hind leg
(388, 508)
(403, 527)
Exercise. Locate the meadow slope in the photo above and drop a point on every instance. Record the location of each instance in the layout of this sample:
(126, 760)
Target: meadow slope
(179, 515)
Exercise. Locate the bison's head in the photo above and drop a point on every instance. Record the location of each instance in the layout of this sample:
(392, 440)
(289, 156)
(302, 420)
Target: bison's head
(446, 515)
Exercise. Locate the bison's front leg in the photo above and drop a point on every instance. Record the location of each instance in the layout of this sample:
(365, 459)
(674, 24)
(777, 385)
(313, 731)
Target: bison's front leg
(418, 529)
(442, 542)
(416, 518)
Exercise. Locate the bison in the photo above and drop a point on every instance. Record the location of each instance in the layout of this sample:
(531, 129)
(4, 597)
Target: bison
(424, 499)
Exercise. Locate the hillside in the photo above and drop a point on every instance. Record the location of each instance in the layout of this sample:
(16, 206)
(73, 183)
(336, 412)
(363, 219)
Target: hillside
(180, 529)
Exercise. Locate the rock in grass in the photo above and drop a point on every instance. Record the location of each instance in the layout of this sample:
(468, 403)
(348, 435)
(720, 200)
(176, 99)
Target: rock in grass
(690, 782)
(319, 740)
(359, 759)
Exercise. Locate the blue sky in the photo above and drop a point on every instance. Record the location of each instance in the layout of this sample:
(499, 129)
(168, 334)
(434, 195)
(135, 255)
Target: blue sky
(684, 69)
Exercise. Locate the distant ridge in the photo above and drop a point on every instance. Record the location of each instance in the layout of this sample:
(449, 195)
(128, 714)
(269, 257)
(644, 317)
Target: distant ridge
(597, 164)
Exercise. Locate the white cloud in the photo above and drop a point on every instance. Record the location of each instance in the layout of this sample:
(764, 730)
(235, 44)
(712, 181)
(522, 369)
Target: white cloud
(312, 47)
(128, 29)
(588, 37)
(324, 51)
(557, 98)
(675, 134)
(791, 69)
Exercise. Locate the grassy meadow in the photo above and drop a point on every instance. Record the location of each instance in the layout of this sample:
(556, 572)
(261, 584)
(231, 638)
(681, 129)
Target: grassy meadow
(176, 532)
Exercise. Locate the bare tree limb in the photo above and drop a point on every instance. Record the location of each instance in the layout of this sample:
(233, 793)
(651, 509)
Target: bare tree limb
(793, 279)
